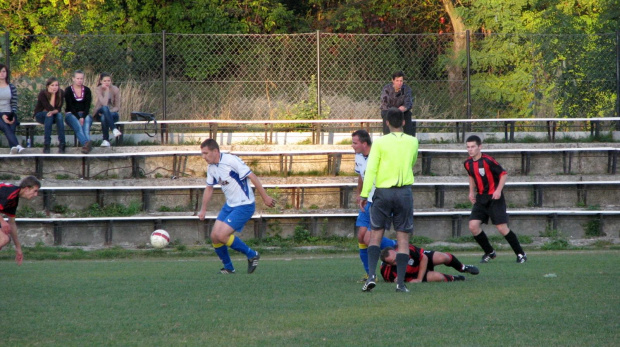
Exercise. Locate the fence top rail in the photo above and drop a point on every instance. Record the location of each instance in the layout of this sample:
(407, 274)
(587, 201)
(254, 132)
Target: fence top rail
(290, 153)
(318, 185)
(317, 215)
(344, 121)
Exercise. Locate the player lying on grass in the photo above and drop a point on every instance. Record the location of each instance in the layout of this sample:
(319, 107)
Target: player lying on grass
(421, 266)
(9, 199)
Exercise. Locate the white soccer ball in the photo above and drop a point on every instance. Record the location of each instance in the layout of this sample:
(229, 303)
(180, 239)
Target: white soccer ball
(160, 238)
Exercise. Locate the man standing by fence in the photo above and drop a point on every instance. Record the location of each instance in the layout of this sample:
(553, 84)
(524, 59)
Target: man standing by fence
(395, 154)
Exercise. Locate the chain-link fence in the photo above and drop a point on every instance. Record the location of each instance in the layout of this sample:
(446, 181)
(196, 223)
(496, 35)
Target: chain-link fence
(335, 76)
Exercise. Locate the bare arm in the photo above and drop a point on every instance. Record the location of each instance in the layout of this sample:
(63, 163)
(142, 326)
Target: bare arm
(206, 197)
(19, 255)
(269, 201)
(423, 267)
(500, 186)
(360, 183)
(472, 190)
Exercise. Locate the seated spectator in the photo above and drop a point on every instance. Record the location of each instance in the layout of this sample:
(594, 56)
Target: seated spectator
(47, 112)
(106, 108)
(8, 110)
(77, 110)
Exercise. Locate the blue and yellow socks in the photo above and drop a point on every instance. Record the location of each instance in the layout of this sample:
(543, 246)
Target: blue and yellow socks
(235, 243)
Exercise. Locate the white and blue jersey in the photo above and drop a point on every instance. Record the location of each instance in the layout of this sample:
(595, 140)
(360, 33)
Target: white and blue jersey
(360, 168)
(232, 174)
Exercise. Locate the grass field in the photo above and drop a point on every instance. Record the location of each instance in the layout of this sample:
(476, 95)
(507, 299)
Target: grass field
(306, 300)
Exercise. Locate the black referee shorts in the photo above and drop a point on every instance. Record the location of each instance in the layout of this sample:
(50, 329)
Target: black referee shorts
(395, 202)
(486, 208)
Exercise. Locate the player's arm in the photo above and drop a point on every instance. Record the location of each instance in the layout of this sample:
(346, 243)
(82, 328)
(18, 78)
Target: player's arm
(472, 190)
(500, 186)
(360, 183)
(19, 255)
(269, 201)
(206, 197)
(423, 267)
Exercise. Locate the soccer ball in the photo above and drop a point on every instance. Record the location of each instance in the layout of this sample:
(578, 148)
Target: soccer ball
(160, 238)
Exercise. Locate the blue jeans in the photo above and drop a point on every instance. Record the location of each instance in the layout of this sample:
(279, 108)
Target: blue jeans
(42, 118)
(107, 121)
(9, 130)
(82, 132)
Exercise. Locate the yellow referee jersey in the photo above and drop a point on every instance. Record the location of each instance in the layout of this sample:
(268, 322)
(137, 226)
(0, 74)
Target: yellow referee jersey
(390, 162)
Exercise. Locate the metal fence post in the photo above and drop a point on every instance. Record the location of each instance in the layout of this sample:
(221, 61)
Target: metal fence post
(318, 73)
(163, 72)
(618, 78)
(467, 40)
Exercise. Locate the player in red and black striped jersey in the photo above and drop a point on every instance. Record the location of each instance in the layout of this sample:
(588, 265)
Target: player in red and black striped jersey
(9, 199)
(421, 266)
(486, 183)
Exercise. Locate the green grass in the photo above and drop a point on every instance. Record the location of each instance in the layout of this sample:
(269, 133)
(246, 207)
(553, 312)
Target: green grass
(311, 300)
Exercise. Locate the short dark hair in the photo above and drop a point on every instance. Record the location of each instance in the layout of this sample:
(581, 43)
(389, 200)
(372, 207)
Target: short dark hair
(30, 182)
(77, 72)
(363, 136)
(385, 253)
(210, 143)
(395, 117)
(398, 74)
(474, 138)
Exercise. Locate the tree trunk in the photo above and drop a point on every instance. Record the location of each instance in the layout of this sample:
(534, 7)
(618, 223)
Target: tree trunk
(455, 71)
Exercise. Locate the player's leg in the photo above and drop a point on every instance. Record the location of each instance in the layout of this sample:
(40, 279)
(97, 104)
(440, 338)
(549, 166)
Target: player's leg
(4, 238)
(236, 220)
(499, 217)
(448, 259)
(513, 241)
(220, 235)
(482, 239)
(363, 236)
(402, 214)
(434, 276)
(379, 212)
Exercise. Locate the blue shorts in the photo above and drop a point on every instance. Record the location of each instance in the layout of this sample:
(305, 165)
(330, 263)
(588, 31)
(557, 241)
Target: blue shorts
(363, 218)
(236, 216)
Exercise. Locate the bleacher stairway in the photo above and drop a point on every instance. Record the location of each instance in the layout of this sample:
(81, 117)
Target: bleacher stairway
(572, 188)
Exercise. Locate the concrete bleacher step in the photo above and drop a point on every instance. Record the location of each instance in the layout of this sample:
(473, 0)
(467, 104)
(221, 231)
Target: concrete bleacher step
(569, 187)
(443, 160)
(329, 192)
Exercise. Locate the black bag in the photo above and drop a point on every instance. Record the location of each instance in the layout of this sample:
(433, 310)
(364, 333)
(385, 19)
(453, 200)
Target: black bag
(148, 117)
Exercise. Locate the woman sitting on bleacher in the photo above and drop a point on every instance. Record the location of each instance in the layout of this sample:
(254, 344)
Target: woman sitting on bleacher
(107, 106)
(8, 110)
(47, 112)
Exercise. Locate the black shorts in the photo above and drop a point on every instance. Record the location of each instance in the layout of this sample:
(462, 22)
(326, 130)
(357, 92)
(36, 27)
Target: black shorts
(486, 208)
(395, 203)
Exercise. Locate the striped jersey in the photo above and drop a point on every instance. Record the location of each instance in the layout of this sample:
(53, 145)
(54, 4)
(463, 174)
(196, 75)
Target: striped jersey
(9, 198)
(231, 173)
(486, 172)
(388, 271)
(360, 169)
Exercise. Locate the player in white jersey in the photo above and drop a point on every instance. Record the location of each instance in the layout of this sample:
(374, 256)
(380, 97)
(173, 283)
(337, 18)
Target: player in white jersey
(232, 174)
(361, 143)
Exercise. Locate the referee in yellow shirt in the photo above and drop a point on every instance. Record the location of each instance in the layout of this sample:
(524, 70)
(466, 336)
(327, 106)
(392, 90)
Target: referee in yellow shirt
(390, 167)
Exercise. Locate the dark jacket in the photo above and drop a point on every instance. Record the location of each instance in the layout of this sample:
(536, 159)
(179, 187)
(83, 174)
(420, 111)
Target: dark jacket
(74, 106)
